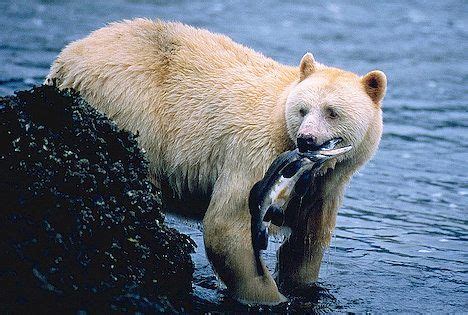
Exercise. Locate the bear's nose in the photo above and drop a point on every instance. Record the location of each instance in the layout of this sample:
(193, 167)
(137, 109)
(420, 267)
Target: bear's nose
(307, 143)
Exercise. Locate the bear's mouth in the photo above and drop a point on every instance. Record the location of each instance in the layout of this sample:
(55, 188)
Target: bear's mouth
(330, 149)
(328, 154)
(309, 145)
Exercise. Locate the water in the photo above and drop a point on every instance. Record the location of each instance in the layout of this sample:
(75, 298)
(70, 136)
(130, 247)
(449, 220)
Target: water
(401, 238)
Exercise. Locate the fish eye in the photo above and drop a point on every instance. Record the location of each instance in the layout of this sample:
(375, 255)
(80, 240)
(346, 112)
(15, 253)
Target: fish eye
(332, 113)
(303, 111)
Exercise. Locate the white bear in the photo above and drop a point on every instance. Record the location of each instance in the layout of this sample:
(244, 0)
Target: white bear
(212, 116)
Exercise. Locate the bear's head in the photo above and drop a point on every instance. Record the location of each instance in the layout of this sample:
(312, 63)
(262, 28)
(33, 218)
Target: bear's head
(327, 102)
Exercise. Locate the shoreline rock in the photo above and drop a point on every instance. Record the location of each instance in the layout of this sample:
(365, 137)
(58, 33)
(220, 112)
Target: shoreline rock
(81, 227)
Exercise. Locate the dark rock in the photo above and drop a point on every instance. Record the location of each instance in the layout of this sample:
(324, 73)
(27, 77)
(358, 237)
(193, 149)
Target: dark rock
(80, 225)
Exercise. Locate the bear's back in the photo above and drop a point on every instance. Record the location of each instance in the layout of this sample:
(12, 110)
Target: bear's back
(198, 100)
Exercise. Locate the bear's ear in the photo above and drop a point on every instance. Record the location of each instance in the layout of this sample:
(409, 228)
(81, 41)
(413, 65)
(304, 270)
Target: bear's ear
(307, 66)
(375, 85)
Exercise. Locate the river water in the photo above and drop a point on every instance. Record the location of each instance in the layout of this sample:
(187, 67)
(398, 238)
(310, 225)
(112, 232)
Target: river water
(400, 242)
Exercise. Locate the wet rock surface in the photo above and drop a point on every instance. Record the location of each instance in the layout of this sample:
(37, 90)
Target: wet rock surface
(80, 225)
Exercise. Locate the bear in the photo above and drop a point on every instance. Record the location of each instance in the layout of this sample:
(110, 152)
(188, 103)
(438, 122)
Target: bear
(212, 115)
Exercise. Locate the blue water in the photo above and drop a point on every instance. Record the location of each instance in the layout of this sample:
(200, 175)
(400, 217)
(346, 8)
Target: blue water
(400, 242)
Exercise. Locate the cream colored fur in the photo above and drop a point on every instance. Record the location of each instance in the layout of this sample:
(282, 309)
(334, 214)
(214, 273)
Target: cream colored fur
(212, 115)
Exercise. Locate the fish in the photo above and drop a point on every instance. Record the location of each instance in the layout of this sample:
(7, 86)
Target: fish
(290, 174)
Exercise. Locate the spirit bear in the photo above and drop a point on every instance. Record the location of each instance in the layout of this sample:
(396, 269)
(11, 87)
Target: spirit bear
(212, 115)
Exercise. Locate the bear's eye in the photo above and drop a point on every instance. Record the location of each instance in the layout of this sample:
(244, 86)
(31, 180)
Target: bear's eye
(303, 112)
(332, 113)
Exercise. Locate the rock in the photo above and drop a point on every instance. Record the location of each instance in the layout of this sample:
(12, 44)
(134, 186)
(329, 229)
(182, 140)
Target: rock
(81, 227)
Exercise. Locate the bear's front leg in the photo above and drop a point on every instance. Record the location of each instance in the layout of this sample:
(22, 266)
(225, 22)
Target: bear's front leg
(299, 261)
(300, 257)
(228, 243)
